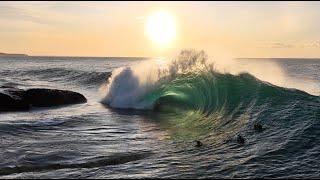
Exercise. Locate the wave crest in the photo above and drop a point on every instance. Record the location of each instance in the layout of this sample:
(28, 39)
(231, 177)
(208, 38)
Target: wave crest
(189, 81)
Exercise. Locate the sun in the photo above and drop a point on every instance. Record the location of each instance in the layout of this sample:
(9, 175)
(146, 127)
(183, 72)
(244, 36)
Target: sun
(161, 28)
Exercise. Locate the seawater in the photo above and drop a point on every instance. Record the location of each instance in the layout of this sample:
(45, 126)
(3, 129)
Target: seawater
(156, 140)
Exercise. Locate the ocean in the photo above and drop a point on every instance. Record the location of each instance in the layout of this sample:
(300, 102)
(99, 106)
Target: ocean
(139, 124)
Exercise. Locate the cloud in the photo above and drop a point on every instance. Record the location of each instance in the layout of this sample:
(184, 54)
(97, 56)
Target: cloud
(310, 44)
(276, 45)
(20, 14)
(35, 13)
(282, 45)
(313, 44)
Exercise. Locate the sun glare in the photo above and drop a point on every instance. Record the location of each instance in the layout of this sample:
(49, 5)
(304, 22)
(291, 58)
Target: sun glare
(161, 28)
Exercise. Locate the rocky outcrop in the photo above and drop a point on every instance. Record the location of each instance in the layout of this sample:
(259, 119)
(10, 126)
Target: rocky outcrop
(52, 97)
(13, 99)
(9, 103)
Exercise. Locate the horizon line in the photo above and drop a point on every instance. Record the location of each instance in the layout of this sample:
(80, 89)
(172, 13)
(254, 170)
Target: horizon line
(144, 57)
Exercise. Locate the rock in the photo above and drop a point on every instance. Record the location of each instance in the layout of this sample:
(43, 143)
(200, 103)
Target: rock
(8, 103)
(52, 97)
(14, 99)
(240, 139)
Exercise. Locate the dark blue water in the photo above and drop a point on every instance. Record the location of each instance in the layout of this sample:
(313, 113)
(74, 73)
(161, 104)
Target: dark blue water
(93, 140)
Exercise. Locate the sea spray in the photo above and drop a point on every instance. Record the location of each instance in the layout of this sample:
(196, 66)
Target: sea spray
(127, 85)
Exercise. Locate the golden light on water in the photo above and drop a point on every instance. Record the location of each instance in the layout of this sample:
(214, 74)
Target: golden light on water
(161, 28)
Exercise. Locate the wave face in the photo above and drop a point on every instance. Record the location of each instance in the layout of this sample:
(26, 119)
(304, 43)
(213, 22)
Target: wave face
(191, 96)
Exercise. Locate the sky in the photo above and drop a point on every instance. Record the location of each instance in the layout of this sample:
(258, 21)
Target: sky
(237, 29)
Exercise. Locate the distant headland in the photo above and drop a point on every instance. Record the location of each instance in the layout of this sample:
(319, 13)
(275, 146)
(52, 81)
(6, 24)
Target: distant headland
(12, 55)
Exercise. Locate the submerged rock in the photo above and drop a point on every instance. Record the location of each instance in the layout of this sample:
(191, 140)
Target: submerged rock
(14, 99)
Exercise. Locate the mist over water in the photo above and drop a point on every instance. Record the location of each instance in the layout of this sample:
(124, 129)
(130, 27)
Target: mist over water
(272, 72)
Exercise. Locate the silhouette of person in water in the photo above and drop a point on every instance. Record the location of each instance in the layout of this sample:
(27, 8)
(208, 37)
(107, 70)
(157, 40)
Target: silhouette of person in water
(198, 143)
